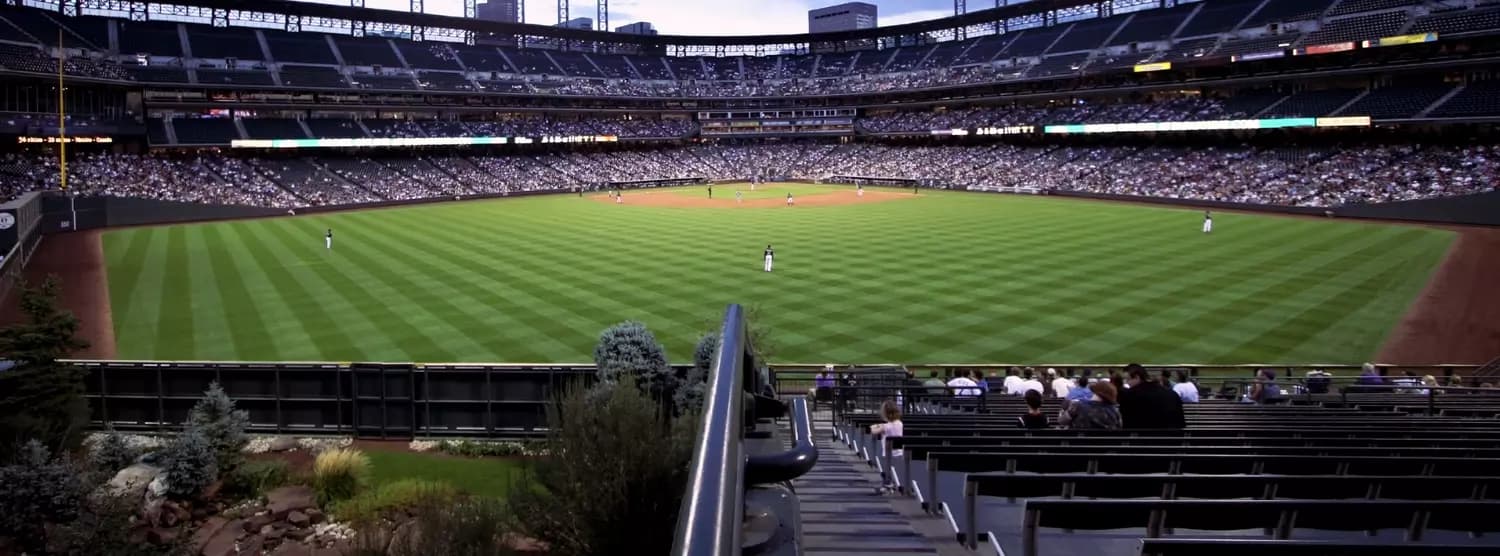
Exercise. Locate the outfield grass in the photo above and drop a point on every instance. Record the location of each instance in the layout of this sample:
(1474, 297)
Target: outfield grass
(937, 278)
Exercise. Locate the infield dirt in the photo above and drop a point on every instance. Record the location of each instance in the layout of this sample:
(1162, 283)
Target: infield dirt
(677, 199)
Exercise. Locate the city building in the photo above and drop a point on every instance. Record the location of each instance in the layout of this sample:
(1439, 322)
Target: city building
(502, 11)
(848, 16)
(584, 23)
(637, 28)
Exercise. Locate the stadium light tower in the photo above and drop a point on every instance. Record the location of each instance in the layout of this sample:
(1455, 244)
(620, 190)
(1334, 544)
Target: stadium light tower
(960, 7)
(562, 11)
(601, 14)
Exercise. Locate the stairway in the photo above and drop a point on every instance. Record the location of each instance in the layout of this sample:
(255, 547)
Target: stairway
(842, 515)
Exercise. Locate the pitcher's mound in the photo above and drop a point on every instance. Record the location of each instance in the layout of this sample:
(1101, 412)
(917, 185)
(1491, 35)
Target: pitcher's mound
(680, 199)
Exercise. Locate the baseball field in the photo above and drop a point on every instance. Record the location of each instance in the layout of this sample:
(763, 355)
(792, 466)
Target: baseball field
(887, 276)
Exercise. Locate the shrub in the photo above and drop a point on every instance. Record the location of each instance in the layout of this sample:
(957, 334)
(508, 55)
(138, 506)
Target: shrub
(690, 394)
(111, 454)
(222, 425)
(41, 398)
(482, 448)
(468, 527)
(628, 351)
(611, 483)
(37, 491)
(340, 474)
(104, 528)
(406, 494)
(189, 464)
(257, 477)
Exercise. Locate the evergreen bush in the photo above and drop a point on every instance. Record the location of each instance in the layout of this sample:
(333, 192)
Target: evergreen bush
(221, 424)
(189, 464)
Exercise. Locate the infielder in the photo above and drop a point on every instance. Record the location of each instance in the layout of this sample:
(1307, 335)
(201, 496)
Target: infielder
(1208, 222)
(789, 200)
(739, 197)
(859, 191)
(710, 191)
(618, 198)
(328, 239)
(770, 254)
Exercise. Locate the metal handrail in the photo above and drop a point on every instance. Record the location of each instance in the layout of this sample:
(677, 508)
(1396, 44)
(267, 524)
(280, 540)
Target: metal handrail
(793, 463)
(712, 513)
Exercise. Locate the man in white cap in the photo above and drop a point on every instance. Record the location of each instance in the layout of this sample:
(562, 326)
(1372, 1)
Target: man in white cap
(1060, 385)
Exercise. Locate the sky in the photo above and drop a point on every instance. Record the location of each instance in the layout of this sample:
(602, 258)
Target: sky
(701, 17)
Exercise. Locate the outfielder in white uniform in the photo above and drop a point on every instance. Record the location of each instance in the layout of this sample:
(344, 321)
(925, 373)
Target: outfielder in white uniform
(618, 198)
(328, 239)
(859, 191)
(789, 201)
(739, 196)
(1208, 222)
(770, 255)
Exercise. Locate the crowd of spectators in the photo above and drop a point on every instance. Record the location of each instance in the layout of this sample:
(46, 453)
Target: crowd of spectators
(535, 126)
(1298, 176)
(1167, 110)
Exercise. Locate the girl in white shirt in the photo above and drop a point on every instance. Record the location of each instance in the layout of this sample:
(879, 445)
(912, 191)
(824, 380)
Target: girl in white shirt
(891, 428)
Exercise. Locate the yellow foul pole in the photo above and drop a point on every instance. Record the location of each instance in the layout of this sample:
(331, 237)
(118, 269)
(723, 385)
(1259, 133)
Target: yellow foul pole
(62, 134)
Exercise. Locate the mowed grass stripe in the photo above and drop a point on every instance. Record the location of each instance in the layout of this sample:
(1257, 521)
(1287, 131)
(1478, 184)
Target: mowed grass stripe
(125, 254)
(407, 340)
(327, 337)
(945, 276)
(250, 337)
(175, 327)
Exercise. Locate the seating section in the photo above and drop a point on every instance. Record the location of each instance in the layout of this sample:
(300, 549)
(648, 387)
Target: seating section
(325, 128)
(1087, 35)
(1458, 21)
(1397, 102)
(299, 48)
(482, 58)
(613, 65)
(204, 131)
(1033, 42)
(367, 52)
(312, 76)
(906, 58)
(1312, 103)
(1218, 17)
(532, 62)
(576, 65)
(427, 56)
(1477, 99)
(1283, 11)
(234, 77)
(1356, 28)
(1156, 25)
(1342, 471)
(224, 42)
(1259, 44)
(273, 128)
(834, 65)
(444, 81)
(42, 27)
(157, 39)
(1346, 7)
(650, 67)
(384, 82)
(159, 74)
(687, 67)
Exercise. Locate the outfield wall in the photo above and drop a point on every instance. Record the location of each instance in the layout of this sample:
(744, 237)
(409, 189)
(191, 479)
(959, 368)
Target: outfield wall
(1478, 209)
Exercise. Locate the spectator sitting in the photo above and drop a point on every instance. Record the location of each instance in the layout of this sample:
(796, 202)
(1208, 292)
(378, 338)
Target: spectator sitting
(1060, 385)
(1429, 384)
(1146, 405)
(962, 385)
(1034, 418)
(891, 428)
(935, 386)
(1099, 412)
(824, 383)
(1012, 380)
(1265, 390)
(1080, 390)
(1031, 384)
(1185, 388)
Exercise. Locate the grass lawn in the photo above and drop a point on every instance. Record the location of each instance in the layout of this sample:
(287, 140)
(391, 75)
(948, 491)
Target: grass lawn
(477, 476)
(941, 277)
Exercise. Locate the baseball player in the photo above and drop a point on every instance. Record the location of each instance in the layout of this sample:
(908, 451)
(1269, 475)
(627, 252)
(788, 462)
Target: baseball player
(710, 191)
(770, 254)
(618, 198)
(789, 200)
(739, 197)
(328, 239)
(859, 191)
(1208, 222)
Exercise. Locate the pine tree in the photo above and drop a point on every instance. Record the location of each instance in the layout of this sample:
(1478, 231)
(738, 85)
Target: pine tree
(41, 398)
(221, 424)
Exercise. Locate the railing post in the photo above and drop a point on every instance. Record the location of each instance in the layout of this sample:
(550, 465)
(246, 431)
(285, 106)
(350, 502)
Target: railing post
(711, 517)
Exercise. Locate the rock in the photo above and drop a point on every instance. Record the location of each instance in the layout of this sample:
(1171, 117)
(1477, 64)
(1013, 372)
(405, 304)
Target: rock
(282, 444)
(132, 481)
(161, 536)
(252, 544)
(158, 487)
(207, 531)
(297, 518)
(300, 533)
(292, 549)
(315, 515)
(266, 530)
(257, 522)
(284, 500)
(221, 542)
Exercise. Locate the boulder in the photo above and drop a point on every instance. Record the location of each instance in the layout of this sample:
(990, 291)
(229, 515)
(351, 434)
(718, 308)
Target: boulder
(252, 544)
(207, 531)
(315, 515)
(285, 500)
(292, 549)
(298, 519)
(282, 444)
(161, 536)
(257, 522)
(221, 542)
(132, 481)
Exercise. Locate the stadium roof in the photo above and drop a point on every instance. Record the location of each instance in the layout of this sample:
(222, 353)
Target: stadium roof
(306, 9)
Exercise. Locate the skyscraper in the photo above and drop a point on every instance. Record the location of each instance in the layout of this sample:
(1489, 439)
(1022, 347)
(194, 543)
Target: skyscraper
(848, 16)
(637, 28)
(503, 11)
(584, 23)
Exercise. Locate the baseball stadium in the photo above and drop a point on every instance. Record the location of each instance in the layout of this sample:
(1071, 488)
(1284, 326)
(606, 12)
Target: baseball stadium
(1114, 278)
